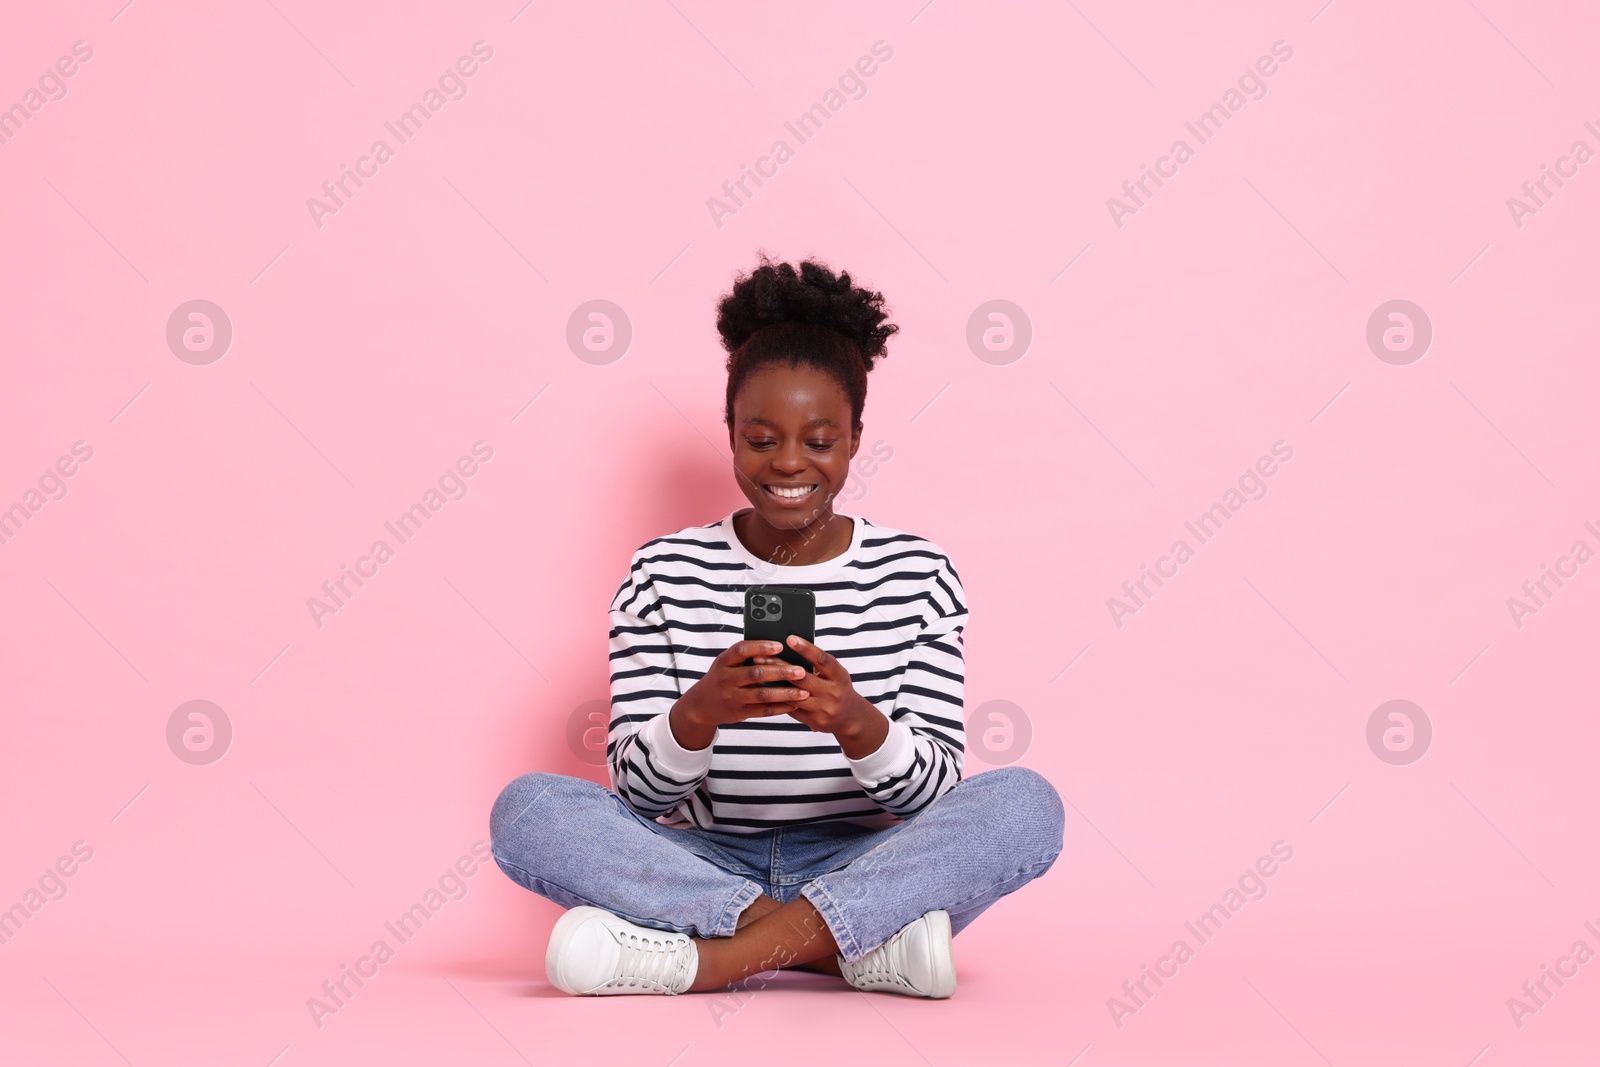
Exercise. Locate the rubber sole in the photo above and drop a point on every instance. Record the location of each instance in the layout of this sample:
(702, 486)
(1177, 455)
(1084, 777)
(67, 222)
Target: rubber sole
(559, 934)
(944, 964)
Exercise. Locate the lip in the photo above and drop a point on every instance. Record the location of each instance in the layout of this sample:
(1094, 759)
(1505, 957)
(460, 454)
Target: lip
(790, 502)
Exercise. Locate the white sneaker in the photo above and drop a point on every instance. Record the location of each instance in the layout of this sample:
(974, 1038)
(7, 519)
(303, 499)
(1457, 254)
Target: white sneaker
(916, 962)
(594, 953)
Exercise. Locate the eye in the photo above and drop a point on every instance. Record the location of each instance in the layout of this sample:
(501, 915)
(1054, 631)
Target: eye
(819, 446)
(760, 443)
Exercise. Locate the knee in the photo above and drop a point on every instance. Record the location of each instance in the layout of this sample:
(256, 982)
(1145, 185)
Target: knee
(520, 807)
(1030, 806)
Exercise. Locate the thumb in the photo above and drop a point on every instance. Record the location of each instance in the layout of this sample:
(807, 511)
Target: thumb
(805, 715)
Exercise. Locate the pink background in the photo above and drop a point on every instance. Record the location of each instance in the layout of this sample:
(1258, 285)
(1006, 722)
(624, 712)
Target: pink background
(1228, 313)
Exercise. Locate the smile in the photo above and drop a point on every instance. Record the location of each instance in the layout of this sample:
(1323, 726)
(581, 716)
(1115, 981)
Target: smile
(790, 492)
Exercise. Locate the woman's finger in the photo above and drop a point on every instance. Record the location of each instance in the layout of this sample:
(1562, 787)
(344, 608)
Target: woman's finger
(811, 652)
(766, 711)
(812, 717)
(812, 682)
(744, 650)
(773, 696)
(777, 671)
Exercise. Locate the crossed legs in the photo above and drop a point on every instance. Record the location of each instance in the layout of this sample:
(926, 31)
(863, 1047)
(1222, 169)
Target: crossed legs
(576, 843)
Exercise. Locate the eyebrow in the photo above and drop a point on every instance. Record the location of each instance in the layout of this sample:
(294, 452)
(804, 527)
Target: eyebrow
(756, 420)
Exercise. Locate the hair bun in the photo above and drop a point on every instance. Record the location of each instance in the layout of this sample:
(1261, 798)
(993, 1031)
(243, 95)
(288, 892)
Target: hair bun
(813, 294)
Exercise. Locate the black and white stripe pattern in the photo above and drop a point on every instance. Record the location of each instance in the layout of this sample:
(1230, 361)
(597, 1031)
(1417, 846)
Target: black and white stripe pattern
(890, 609)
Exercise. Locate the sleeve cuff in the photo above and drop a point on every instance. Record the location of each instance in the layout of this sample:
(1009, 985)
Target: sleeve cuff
(685, 764)
(892, 758)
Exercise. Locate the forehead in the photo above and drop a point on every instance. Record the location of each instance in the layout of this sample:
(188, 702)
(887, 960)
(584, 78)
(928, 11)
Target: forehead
(781, 394)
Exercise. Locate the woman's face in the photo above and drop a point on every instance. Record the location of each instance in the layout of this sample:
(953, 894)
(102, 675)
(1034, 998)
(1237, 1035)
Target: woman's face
(792, 443)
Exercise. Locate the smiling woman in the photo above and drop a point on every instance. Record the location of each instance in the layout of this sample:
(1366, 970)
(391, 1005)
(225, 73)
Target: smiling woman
(800, 345)
(765, 815)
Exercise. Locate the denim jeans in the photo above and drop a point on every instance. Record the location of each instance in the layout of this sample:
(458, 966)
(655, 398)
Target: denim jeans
(575, 842)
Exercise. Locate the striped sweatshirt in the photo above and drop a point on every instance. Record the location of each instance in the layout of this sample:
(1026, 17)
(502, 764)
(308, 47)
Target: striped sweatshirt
(890, 608)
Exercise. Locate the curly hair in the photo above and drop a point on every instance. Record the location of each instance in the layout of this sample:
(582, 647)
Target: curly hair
(780, 314)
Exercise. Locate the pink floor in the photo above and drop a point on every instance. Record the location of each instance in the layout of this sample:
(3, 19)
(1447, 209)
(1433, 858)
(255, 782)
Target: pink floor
(186, 496)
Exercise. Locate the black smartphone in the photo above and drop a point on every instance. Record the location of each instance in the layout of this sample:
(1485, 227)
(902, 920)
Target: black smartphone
(772, 613)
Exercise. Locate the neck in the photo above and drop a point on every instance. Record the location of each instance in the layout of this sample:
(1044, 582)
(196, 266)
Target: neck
(825, 537)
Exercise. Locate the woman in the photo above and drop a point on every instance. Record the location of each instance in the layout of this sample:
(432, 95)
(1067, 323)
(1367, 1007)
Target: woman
(824, 824)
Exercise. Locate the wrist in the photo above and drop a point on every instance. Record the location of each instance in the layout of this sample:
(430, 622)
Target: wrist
(863, 731)
(892, 758)
(690, 730)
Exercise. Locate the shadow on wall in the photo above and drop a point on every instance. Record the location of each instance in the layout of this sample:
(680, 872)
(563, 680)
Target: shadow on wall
(678, 482)
(687, 483)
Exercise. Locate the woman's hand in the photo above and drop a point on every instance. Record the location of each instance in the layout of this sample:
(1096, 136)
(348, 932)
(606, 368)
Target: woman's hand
(833, 705)
(729, 691)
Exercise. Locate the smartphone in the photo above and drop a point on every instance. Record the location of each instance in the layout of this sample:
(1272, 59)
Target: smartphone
(772, 613)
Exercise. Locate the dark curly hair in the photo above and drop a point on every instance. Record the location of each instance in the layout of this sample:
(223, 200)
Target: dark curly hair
(778, 314)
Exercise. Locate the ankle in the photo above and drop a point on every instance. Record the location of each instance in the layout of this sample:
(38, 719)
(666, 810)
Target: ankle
(825, 965)
(711, 972)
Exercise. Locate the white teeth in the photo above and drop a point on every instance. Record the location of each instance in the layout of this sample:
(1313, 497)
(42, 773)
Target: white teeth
(789, 493)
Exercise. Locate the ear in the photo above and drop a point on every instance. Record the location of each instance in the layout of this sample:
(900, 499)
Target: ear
(855, 440)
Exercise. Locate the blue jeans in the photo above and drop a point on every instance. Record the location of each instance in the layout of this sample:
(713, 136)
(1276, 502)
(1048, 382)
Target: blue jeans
(575, 842)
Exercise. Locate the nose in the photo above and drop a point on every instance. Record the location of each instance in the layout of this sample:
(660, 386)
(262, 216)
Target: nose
(790, 459)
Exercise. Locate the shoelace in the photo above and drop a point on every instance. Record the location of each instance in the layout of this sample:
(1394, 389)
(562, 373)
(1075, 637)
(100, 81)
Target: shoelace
(651, 962)
(879, 967)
